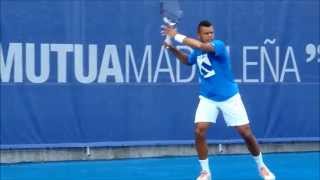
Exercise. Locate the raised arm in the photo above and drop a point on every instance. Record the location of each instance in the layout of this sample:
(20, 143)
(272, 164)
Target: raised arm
(194, 43)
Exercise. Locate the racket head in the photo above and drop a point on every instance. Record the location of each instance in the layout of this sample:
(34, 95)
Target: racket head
(170, 11)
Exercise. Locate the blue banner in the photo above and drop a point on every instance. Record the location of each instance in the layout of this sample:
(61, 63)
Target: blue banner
(80, 72)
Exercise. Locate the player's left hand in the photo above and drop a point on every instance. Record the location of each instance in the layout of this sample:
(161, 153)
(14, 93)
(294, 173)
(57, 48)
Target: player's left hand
(167, 45)
(168, 30)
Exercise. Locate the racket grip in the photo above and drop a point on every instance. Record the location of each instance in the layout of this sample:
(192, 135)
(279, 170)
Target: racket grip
(168, 40)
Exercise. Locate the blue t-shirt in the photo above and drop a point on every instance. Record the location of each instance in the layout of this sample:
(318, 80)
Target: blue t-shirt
(215, 75)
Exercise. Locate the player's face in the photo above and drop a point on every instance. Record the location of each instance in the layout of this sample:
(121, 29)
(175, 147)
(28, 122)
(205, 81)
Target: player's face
(206, 34)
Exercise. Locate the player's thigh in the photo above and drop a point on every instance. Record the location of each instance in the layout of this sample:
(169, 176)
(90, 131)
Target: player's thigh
(234, 111)
(207, 111)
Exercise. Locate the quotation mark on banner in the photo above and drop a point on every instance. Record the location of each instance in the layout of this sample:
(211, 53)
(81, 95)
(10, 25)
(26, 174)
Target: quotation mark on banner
(313, 52)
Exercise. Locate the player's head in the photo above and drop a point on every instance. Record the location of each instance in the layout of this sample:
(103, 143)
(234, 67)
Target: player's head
(205, 31)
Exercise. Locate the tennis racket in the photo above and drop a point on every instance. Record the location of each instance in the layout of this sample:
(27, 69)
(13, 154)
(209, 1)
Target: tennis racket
(171, 14)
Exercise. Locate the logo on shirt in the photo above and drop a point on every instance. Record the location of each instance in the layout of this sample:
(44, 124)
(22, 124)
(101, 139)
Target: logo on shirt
(205, 66)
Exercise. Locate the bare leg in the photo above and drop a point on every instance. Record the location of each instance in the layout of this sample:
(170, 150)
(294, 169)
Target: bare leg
(252, 145)
(250, 140)
(200, 139)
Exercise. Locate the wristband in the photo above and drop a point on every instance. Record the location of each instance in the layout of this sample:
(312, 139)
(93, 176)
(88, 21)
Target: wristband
(179, 38)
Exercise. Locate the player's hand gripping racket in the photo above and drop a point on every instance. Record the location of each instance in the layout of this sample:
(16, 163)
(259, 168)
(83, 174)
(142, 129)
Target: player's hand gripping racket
(171, 14)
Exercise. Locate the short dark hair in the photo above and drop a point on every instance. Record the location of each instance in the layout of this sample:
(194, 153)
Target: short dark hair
(204, 23)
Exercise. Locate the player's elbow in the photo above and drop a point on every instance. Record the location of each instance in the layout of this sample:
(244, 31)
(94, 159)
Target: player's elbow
(184, 60)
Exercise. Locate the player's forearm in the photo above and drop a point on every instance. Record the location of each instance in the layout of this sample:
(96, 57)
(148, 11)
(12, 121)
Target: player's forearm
(180, 55)
(198, 44)
(194, 43)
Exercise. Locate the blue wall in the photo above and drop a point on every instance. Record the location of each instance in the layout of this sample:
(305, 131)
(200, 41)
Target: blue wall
(76, 73)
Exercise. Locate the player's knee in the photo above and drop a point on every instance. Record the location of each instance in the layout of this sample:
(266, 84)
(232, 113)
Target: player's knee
(200, 131)
(246, 134)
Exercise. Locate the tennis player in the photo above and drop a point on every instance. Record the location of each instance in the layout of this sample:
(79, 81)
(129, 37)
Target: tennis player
(218, 91)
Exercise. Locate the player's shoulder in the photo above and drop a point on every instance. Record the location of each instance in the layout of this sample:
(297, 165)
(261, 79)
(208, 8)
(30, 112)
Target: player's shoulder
(219, 47)
(218, 42)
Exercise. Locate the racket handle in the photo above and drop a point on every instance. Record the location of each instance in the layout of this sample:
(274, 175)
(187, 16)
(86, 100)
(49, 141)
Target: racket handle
(168, 40)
